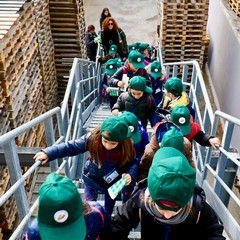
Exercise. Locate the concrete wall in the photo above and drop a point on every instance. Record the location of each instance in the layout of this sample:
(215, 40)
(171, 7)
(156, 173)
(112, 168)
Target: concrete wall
(224, 59)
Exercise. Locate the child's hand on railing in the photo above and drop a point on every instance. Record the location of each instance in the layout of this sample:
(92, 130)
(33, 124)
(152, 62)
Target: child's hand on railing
(41, 156)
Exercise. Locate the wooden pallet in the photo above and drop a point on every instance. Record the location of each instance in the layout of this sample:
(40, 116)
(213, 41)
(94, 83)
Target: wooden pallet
(68, 32)
(182, 29)
(235, 6)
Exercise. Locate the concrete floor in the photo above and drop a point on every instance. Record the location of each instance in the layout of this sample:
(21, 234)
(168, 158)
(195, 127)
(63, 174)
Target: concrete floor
(137, 18)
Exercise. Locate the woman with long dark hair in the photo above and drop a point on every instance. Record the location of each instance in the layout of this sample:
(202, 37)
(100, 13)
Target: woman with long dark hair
(105, 13)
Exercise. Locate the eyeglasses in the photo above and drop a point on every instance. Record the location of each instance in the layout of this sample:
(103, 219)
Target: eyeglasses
(109, 24)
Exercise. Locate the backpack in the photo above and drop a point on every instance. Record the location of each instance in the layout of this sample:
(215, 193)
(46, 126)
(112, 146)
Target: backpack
(124, 96)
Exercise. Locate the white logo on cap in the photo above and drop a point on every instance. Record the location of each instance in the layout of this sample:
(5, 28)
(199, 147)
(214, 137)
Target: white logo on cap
(112, 49)
(156, 70)
(133, 47)
(139, 59)
(61, 216)
(182, 120)
(131, 128)
(111, 66)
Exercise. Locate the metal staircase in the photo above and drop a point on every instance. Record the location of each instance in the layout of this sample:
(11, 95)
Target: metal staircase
(82, 110)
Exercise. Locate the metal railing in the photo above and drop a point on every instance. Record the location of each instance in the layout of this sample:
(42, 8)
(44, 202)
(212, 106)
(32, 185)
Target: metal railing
(82, 96)
(216, 170)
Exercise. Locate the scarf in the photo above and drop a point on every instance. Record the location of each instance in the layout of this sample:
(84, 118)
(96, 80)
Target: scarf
(151, 208)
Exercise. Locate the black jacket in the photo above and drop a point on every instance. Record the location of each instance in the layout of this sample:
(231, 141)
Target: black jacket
(128, 217)
(91, 46)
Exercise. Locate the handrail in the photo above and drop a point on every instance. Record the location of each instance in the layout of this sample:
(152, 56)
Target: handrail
(81, 97)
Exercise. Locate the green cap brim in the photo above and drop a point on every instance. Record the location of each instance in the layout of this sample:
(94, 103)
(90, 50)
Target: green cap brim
(110, 71)
(156, 74)
(139, 65)
(186, 129)
(136, 137)
(76, 230)
(148, 90)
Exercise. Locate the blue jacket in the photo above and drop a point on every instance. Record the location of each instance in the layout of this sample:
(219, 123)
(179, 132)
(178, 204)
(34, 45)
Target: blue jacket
(140, 147)
(92, 174)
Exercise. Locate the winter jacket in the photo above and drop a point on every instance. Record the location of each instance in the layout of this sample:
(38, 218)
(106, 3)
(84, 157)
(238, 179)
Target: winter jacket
(133, 212)
(92, 173)
(118, 38)
(91, 45)
(151, 148)
(157, 86)
(117, 76)
(198, 135)
(107, 57)
(139, 147)
(181, 100)
(143, 108)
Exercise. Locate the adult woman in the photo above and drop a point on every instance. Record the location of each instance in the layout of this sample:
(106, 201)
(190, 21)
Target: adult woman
(105, 13)
(112, 34)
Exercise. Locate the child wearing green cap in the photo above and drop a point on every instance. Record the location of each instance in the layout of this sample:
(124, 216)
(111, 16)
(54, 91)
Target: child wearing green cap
(134, 66)
(168, 205)
(112, 54)
(158, 79)
(165, 134)
(111, 68)
(112, 156)
(139, 134)
(173, 95)
(182, 117)
(137, 100)
(63, 215)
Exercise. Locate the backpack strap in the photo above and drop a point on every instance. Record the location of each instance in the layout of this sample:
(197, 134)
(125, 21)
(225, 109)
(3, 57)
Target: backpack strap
(100, 213)
(124, 70)
(199, 198)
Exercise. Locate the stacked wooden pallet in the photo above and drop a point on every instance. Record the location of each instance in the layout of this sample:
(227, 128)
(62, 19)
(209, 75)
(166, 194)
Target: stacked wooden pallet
(235, 5)
(46, 53)
(68, 32)
(183, 26)
(8, 212)
(27, 71)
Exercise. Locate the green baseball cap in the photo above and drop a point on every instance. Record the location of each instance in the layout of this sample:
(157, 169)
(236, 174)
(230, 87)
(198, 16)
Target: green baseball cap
(173, 138)
(156, 69)
(132, 122)
(180, 115)
(139, 83)
(133, 46)
(136, 58)
(174, 86)
(143, 46)
(60, 211)
(112, 49)
(111, 66)
(171, 179)
(117, 129)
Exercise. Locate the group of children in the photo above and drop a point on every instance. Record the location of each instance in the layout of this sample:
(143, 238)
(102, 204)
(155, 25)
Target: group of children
(160, 190)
